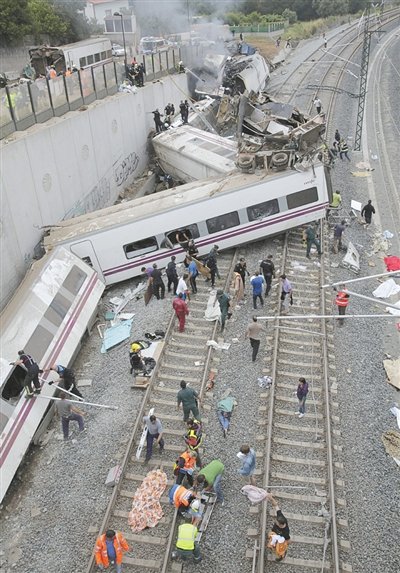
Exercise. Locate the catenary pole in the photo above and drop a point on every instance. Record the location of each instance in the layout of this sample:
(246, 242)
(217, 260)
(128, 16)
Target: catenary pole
(76, 402)
(344, 282)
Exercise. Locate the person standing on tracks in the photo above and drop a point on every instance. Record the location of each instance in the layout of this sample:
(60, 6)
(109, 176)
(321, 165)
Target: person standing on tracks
(67, 377)
(185, 465)
(68, 413)
(238, 288)
(343, 149)
(181, 310)
(311, 239)
(336, 200)
(154, 432)
(267, 268)
(157, 282)
(318, 104)
(193, 272)
(248, 458)
(223, 300)
(257, 282)
(253, 333)
(182, 287)
(241, 268)
(279, 536)
(337, 236)
(301, 393)
(172, 275)
(32, 373)
(286, 293)
(186, 546)
(342, 301)
(209, 478)
(189, 399)
(367, 212)
(109, 550)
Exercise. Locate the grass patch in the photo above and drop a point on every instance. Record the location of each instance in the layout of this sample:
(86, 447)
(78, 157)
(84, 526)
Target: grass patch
(305, 30)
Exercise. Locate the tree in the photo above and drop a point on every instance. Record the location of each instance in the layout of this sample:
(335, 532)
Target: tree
(14, 21)
(45, 20)
(72, 11)
(325, 8)
(289, 15)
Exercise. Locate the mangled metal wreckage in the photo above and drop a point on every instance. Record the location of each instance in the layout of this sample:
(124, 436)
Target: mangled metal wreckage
(237, 125)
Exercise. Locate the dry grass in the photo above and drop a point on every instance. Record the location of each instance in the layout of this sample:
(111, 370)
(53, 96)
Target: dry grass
(264, 44)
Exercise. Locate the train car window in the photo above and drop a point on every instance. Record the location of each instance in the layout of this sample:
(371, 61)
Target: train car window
(39, 343)
(223, 222)
(74, 280)
(109, 53)
(88, 261)
(14, 385)
(97, 57)
(90, 59)
(191, 231)
(103, 55)
(58, 309)
(262, 210)
(139, 248)
(303, 197)
(82, 62)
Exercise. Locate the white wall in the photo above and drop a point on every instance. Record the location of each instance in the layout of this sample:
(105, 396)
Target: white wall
(98, 11)
(72, 165)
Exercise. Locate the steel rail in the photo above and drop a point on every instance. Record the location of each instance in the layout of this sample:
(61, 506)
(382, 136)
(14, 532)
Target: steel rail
(137, 430)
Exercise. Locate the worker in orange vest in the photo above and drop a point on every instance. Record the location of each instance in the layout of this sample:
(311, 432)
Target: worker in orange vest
(342, 300)
(181, 497)
(109, 550)
(185, 467)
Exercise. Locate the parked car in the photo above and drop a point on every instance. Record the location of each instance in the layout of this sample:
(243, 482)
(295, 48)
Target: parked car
(117, 50)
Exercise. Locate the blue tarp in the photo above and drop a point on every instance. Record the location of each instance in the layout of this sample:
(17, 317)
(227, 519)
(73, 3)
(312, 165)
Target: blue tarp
(116, 334)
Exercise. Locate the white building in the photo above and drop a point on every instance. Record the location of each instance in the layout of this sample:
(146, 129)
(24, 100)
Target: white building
(102, 11)
(99, 9)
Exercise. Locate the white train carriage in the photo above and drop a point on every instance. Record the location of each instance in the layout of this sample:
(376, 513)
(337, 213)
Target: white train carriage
(191, 154)
(229, 211)
(47, 317)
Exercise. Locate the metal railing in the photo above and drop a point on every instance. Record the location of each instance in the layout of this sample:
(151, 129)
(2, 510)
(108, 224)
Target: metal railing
(28, 103)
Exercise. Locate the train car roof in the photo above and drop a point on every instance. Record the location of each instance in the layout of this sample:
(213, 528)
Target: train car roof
(21, 315)
(168, 200)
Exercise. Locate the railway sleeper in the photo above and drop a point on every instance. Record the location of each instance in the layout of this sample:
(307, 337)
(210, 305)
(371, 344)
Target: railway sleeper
(304, 539)
(311, 563)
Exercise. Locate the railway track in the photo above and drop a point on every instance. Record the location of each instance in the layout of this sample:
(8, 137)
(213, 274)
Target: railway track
(180, 352)
(301, 458)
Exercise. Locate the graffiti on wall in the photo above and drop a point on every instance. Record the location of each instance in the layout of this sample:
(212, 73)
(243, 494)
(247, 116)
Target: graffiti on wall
(99, 197)
(126, 168)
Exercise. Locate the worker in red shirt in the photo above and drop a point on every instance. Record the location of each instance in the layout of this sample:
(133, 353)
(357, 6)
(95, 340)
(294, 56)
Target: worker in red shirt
(342, 300)
(181, 310)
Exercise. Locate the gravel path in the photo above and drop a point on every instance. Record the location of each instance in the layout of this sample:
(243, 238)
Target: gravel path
(49, 519)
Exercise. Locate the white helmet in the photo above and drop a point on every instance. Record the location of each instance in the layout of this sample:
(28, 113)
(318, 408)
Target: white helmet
(195, 505)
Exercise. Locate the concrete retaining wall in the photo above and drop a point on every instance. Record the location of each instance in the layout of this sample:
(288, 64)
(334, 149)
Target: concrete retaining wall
(72, 165)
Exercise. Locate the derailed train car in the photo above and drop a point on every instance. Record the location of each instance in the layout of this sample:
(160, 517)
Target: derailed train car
(47, 317)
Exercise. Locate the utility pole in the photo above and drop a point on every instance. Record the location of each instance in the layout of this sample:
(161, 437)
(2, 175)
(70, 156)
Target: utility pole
(364, 75)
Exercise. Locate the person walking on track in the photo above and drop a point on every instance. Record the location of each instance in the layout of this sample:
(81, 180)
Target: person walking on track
(109, 550)
(172, 275)
(342, 301)
(367, 212)
(267, 268)
(189, 399)
(257, 283)
(154, 432)
(181, 310)
(311, 239)
(301, 393)
(253, 332)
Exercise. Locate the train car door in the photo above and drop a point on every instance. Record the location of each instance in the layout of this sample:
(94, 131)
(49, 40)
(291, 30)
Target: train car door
(85, 251)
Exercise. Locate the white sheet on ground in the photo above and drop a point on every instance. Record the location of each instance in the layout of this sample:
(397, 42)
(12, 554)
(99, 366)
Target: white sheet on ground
(386, 289)
(213, 311)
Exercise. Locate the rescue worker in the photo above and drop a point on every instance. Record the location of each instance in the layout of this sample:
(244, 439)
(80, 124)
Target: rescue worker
(186, 546)
(172, 275)
(182, 109)
(367, 212)
(189, 399)
(209, 478)
(181, 498)
(157, 282)
(279, 536)
(32, 373)
(182, 238)
(311, 239)
(69, 413)
(267, 268)
(337, 236)
(194, 437)
(154, 432)
(342, 300)
(336, 200)
(318, 104)
(241, 268)
(168, 113)
(223, 300)
(157, 121)
(109, 550)
(186, 111)
(186, 464)
(193, 272)
(192, 250)
(181, 310)
(343, 149)
(67, 377)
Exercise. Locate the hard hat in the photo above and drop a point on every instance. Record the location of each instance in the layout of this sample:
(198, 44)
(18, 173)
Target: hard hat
(195, 505)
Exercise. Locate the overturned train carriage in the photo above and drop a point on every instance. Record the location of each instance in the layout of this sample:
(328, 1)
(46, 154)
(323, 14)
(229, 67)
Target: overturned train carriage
(47, 317)
(118, 241)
